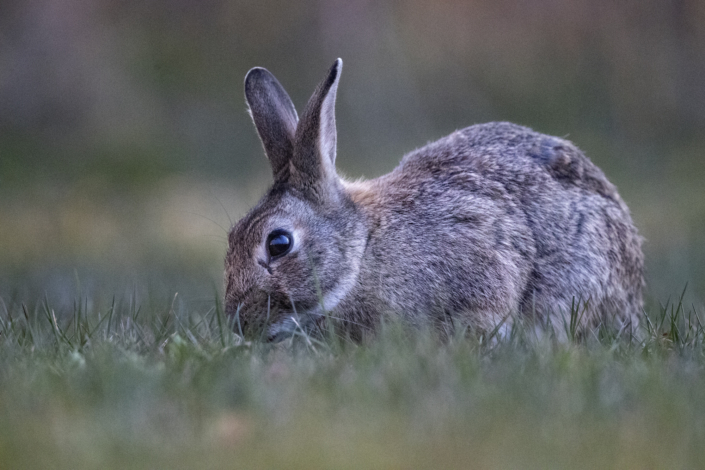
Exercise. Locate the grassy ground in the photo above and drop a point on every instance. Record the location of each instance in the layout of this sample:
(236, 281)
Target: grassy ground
(169, 386)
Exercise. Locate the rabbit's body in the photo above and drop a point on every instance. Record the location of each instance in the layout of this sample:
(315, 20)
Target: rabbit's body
(489, 221)
(495, 219)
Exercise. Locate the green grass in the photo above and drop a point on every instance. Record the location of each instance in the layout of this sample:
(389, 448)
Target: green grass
(170, 386)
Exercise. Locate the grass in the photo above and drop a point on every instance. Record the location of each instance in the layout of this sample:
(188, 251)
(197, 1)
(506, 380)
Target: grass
(121, 386)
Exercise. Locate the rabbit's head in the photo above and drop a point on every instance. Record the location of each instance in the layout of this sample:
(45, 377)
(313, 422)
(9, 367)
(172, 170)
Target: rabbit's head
(296, 254)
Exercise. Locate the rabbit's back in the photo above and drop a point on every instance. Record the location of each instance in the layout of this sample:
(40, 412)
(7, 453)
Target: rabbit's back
(508, 220)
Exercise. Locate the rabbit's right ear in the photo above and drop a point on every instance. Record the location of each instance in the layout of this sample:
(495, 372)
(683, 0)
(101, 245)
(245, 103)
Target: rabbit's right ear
(275, 118)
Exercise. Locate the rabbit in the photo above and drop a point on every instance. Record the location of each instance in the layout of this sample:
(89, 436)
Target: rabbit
(492, 222)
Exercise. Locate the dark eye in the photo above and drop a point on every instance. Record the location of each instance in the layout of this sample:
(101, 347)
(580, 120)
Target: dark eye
(279, 242)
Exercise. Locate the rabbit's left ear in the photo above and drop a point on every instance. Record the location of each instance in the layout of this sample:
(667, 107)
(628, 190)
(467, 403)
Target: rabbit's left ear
(275, 119)
(313, 163)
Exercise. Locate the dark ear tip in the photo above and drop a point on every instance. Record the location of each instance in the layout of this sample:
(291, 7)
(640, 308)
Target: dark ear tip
(337, 67)
(334, 72)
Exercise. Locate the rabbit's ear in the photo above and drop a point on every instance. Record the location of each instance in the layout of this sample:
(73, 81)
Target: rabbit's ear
(274, 116)
(313, 164)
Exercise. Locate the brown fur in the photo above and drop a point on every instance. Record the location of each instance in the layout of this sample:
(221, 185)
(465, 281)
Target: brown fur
(492, 220)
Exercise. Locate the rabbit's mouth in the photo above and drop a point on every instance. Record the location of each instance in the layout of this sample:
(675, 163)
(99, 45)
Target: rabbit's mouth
(307, 319)
(292, 325)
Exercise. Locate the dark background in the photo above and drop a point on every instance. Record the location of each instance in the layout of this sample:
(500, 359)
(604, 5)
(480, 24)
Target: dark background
(126, 151)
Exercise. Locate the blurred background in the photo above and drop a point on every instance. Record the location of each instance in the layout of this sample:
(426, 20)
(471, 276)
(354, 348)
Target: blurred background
(126, 151)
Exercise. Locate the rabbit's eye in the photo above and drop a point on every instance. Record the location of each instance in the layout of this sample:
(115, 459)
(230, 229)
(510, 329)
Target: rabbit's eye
(279, 243)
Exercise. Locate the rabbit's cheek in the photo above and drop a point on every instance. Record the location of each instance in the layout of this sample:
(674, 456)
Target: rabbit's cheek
(265, 266)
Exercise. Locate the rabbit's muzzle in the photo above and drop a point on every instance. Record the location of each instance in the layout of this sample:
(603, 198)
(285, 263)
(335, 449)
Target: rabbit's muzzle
(268, 315)
(293, 325)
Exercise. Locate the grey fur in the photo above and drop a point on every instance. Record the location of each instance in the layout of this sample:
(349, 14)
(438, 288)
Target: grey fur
(274, 116)
(492, 220)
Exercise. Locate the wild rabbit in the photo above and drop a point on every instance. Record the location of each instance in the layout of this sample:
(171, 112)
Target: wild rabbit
(490, 222)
